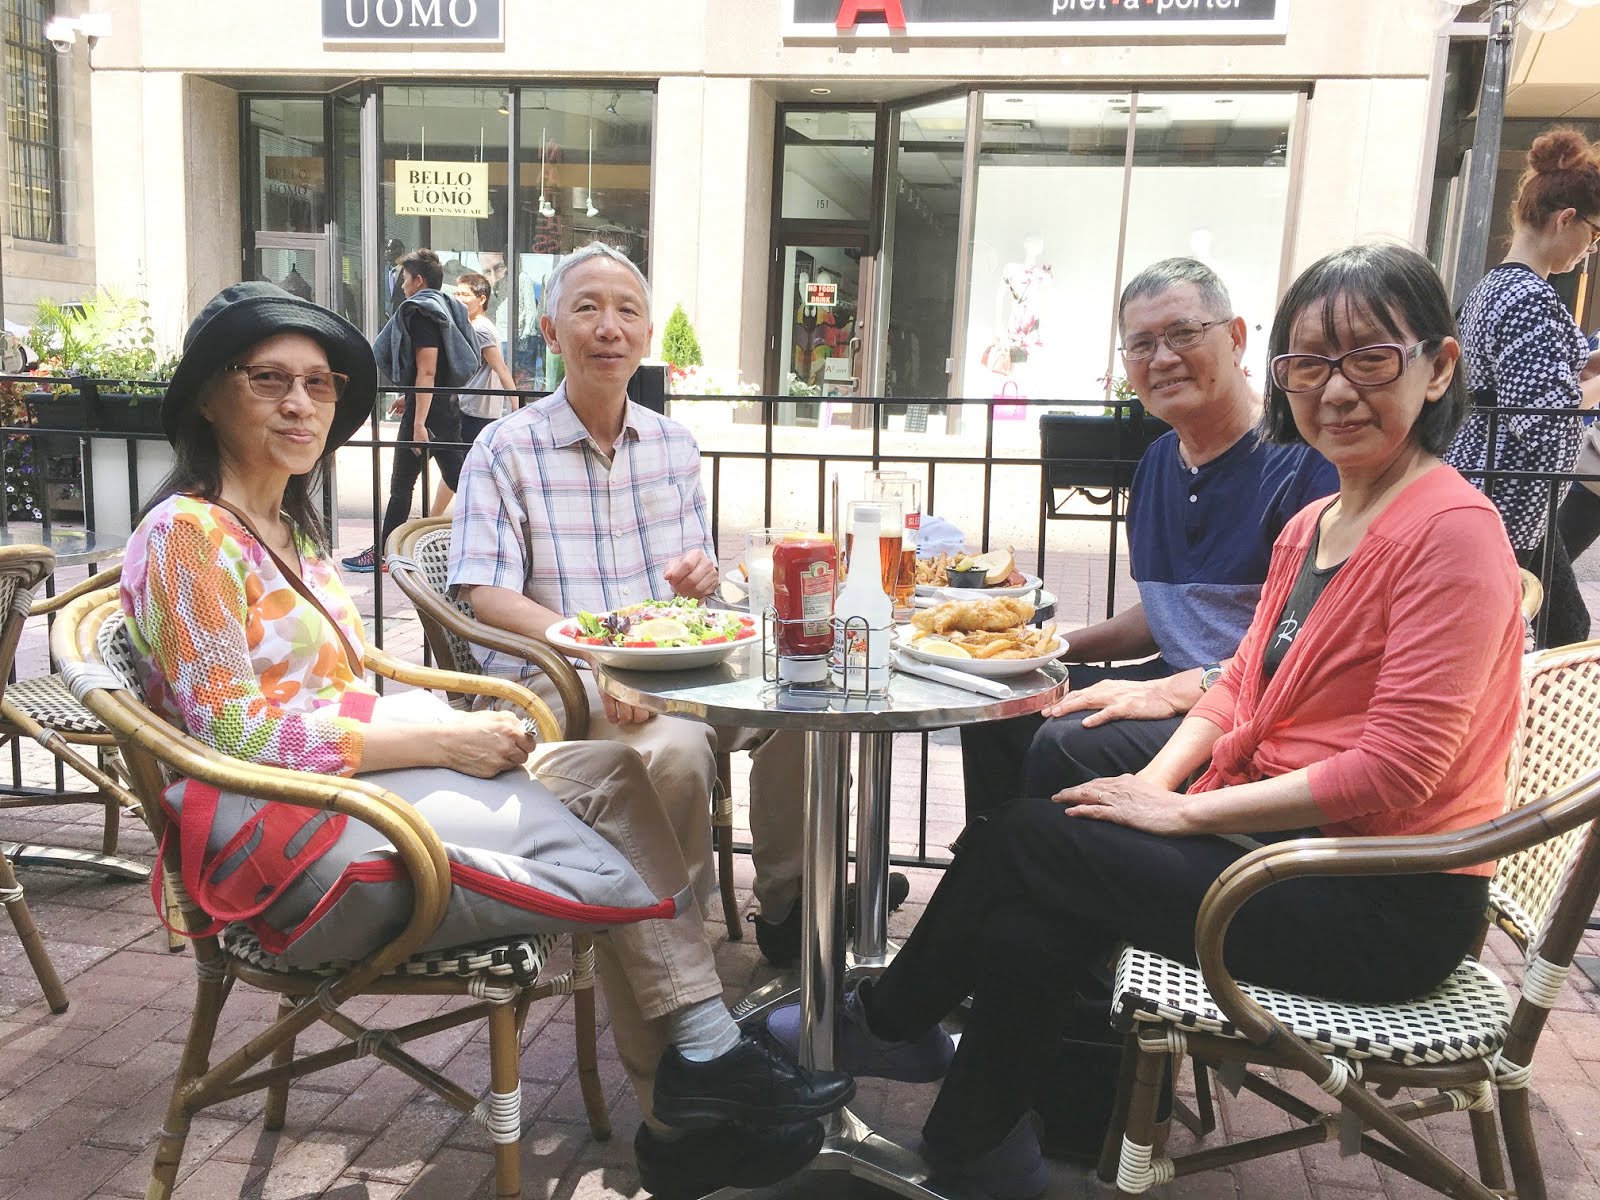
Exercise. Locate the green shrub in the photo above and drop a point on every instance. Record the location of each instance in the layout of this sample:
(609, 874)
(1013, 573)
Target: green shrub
(679, 346)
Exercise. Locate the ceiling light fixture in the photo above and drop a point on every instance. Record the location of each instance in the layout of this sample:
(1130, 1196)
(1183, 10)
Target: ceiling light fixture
(591, 210)
(546, 209)
(505, 104)
(612, 107)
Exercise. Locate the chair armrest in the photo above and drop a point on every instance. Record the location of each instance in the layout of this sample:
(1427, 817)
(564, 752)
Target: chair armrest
(108, 578)
(1550, 816)
(473, 685)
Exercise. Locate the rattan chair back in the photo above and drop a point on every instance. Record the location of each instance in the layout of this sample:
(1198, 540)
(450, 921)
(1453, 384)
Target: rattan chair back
(22, 569)
(429, 550)
(1558, 743)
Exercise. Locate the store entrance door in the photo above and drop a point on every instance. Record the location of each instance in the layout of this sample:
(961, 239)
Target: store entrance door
(823, 330)
(299, 263)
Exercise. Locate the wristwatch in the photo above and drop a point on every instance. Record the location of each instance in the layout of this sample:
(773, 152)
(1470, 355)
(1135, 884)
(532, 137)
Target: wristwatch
(1209, 676)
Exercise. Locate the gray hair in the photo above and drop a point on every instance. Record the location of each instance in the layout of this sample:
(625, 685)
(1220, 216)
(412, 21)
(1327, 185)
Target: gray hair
(555, 284)
(1174, 272)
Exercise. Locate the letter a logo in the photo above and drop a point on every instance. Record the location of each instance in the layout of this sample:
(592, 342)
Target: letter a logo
(894, 13)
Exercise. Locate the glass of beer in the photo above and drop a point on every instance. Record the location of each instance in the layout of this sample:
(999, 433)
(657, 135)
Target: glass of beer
(907, 493)
(890, 537)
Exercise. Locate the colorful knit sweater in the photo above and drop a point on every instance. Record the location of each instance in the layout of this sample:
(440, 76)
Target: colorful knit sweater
(230, 651)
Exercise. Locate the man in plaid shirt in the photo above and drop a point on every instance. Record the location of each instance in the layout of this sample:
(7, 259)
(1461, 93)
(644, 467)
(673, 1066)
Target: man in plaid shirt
(584, 501)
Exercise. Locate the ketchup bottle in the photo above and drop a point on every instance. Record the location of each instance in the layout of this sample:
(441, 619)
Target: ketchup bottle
(805, 577)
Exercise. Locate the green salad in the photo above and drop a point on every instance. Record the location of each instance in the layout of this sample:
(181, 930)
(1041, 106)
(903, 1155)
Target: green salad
(660, 624)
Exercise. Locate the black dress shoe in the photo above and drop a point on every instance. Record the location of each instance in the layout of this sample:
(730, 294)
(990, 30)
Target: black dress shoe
(753, 1084)
(703, 1161)
(780, 940)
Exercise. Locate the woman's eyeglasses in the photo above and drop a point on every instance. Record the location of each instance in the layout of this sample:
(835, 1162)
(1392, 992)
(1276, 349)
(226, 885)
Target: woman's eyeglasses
(1365, 366)
(274, 383)
(1180, 335)
(1594, 230)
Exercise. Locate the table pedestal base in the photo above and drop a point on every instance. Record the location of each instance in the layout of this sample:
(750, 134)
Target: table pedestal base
(26, 855)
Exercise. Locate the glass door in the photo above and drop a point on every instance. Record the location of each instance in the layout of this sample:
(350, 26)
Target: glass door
(296, 262)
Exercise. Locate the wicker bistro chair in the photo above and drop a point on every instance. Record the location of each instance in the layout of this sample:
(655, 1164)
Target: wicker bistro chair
(23, 568)
(90, 642)
(418, 558)
(1466, 1042)
(45, 711)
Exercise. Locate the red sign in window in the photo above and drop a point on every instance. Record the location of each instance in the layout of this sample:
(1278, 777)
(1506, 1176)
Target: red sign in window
(893, 13)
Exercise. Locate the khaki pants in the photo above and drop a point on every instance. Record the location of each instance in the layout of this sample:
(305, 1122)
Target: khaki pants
(681, 757)
(650, 968)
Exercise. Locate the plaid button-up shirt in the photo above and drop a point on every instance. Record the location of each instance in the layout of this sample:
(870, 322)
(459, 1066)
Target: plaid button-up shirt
(539, 511)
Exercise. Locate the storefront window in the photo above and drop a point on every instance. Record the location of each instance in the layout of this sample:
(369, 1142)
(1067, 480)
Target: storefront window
(1044, 246)
(827, 165)
(583, 174)
(288, 190)
(1226, 157)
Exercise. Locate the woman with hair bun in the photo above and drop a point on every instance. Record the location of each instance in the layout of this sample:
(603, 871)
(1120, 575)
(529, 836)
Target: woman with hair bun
(1523, 350)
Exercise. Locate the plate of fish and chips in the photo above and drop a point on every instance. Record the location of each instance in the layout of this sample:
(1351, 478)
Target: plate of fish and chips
(987, 637)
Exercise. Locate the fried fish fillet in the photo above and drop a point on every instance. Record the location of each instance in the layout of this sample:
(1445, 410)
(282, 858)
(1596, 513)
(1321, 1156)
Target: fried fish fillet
(974, 616)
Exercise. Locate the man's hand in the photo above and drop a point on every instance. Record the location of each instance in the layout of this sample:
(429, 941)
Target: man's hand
(622, 714)
(1118, 700)
(1128, 800)
(486, 743)
(694, 575)
(397, 405)
(419, 434)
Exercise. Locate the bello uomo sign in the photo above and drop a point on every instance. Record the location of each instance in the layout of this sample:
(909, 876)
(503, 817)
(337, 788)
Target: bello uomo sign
(459, 21)
(978, 20)
(441, 189)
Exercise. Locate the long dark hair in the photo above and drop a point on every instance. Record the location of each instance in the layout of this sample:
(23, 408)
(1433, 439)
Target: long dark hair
(198, 472)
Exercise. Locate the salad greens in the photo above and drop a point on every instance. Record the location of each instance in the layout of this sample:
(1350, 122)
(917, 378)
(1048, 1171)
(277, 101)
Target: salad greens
(661, 623)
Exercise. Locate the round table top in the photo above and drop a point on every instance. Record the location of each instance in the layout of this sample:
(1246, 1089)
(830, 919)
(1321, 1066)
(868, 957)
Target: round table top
(734, 693)
(73, 547)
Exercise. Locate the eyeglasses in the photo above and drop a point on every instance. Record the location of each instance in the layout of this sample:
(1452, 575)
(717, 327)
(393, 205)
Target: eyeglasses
(1365, 366)
(1594, 230)
(274, 383)
(1180, 335)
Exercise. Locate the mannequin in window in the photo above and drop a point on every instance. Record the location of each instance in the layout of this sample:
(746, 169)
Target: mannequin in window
(1024, 295)
(295, 283)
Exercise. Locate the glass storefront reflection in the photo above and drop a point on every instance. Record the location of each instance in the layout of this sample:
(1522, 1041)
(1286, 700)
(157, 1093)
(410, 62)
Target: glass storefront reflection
(285, 145)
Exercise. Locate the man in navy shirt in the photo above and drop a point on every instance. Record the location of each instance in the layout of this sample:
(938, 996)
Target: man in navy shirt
(1207, 502)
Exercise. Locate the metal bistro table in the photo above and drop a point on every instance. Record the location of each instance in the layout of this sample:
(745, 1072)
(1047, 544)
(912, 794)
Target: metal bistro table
(735, 693)
(72, 548)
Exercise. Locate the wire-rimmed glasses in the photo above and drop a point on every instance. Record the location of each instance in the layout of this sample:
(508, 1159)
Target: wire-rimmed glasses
(1365, 366)
(274, 383)
(1180, 335)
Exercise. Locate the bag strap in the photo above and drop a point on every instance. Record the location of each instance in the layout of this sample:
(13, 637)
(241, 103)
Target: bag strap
(298, 584)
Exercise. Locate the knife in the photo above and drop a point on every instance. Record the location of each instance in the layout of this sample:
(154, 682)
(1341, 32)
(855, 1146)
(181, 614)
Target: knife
(960, 679)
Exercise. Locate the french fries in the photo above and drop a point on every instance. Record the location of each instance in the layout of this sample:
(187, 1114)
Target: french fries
(988, 629)
(1024, 641)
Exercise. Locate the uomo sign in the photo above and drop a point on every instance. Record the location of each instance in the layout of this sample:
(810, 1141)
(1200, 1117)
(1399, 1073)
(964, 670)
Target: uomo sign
(441, 189)
(987, 19)
(459, 21)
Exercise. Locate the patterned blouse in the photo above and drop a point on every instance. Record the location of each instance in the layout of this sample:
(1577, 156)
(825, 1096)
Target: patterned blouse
(231, 652)
(1522, 350)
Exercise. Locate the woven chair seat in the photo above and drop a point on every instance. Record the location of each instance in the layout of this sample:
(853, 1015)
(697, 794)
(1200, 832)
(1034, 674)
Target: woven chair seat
(1466, 1017)
(520, 959)
(49, 702)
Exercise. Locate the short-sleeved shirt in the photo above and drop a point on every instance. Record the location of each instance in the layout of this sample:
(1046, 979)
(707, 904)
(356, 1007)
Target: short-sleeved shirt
(1200, 538)
(542, 511)
(444, 413)
(473, 402)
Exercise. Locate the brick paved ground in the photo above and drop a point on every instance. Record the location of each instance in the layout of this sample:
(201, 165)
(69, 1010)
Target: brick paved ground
(83, 1094)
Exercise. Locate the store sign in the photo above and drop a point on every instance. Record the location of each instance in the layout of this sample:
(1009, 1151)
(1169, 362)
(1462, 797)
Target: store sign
(822, 295)
(441, 189)
(296, 172)
(472, 22)
(1027, 19)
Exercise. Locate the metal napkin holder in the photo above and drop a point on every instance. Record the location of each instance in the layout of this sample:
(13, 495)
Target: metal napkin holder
(849, 677)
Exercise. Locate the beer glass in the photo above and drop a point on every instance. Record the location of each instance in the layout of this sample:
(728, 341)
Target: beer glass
(907, 493)
(890, 537)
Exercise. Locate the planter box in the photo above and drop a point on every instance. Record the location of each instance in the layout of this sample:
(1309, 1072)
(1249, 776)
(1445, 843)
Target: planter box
(124, 412)
(1105, 447)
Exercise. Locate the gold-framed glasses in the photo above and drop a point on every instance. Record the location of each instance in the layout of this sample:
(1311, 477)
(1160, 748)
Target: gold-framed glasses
(274, 383)
(1180, 335)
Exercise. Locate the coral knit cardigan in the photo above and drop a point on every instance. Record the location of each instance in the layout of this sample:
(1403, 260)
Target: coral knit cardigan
(1401, 691)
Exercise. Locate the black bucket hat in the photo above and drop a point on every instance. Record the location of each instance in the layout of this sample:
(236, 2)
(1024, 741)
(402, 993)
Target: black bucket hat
(238, 317)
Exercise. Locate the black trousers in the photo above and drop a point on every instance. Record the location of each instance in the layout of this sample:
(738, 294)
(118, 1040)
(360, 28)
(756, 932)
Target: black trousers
(1566, 613)
(1029, 756)
(1036, 899)
(444, 426)
(472, 426)
(1578, 520)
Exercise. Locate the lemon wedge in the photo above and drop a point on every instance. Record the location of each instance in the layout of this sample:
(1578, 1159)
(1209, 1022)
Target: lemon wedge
(658, 629)
(942, 648)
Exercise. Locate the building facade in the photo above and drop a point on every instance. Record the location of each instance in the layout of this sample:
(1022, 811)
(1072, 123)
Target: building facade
(919, 198)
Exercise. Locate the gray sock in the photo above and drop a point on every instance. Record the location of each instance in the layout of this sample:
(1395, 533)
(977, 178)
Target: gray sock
(703, 1031)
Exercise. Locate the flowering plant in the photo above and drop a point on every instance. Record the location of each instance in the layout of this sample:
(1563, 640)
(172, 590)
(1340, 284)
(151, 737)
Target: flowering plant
(708, 381)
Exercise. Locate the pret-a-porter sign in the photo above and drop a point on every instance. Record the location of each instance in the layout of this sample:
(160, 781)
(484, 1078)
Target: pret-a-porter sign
(441, 189)
(471, 22)
(978, 19)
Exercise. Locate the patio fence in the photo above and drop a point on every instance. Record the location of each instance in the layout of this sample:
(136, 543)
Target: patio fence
(1076, 494)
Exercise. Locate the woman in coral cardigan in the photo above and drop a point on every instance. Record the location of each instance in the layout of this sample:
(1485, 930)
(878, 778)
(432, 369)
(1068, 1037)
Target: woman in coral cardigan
(1374, 694)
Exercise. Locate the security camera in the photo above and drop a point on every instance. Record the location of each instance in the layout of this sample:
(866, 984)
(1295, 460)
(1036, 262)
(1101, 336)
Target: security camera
(62, 33)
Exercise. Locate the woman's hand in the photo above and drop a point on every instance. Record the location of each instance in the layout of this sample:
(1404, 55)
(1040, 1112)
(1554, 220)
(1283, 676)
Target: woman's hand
(1128, 800)
(485, 744)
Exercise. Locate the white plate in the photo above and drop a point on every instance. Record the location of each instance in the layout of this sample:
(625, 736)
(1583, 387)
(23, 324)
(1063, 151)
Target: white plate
(1029, 582)
(1004, 668)
(1041, 601)
(653, 658)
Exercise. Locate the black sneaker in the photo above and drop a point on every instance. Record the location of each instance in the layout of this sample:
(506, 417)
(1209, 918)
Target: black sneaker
(753, 1083)
(703, 1161)
(780, 940)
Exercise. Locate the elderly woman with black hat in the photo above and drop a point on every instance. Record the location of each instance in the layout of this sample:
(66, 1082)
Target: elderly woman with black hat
(247, 639)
